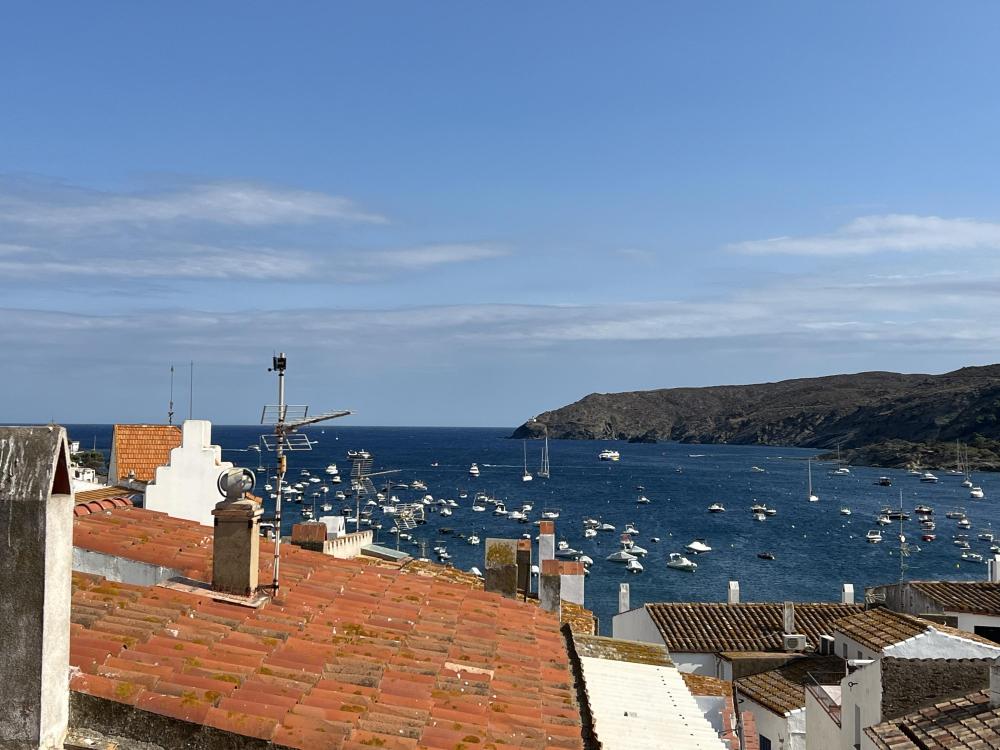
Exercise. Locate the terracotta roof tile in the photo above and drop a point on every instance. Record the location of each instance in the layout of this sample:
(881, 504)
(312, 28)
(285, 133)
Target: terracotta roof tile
(782, 690)
(691, 627)
(104, 493)
(880, 628)
(966, 723)
(142, 448)
(352, 654)
(973, 597)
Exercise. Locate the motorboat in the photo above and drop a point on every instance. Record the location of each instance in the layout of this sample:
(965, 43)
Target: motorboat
(609, 455)
(972, 557)
(473, 539)
(534, 570)
(476, 572)
(500, 510)
(842, 471)
(845, 511)
(631, 529)
(716, 508)
(478, 508)
(474, 470)
(976, 493)
(633, 566)
(758, 508)
(757, 470)
(765, 555)
(568, 553)
(326, 507)
(586, 559)
(928, 537)
(956, 514)
(605, 527)
(268, 487)
(965, 523)
(417, 485)
(759, 517)
(874, 536)
(654, 539)
(967, 483)
(446, 511)
(677, 561)
(516, 515)
(770, 511)
(925, 509)
(884, 482)
(642, 500)
(550, 513)
(928, 477)
(883, 520)
(331, 469)
(621, 556)
(698, 547)
(589, 533)
(986, 536)
(962, 543)
(634, 549)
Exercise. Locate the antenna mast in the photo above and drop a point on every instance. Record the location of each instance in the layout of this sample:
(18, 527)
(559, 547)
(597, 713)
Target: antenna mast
(191, 393)
(286, 420)
(170, 409)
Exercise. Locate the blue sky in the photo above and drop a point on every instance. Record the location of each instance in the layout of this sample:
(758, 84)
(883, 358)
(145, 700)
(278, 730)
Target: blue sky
(464, 213)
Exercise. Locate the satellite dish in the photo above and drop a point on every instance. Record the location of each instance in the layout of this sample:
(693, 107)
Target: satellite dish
(234, 483)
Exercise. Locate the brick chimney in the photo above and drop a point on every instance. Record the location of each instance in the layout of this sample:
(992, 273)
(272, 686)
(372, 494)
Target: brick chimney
(550, 586)
(236, 543)
(36, 574)
(546, 541)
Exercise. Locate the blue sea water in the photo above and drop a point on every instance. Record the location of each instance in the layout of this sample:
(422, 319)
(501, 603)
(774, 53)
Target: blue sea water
(816, 548)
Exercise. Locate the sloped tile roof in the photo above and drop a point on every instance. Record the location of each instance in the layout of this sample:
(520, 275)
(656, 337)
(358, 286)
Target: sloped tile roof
(880, 628)
(973, 597)
(696, 627)
(966, 723)
(782, 690)
(87, 507)
(352, 653)
(103, 493)
(616, 649)
(142, 448)
(702, 684)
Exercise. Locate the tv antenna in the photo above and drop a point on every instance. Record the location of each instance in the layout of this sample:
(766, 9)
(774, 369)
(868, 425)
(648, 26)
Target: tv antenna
(170, 409)
(287, 421)
(361, 482)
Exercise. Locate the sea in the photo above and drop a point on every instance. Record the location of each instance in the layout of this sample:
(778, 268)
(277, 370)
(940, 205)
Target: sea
(816, 549)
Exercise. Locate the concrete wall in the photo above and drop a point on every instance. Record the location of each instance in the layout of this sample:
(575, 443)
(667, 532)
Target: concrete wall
(186, 487)
(769, 724)
(861, 689)
(822, 732)
(700, 663)
(854, 649)
(636, 625)
(119, 569)
(349, 546)
(969, 622)
(712, 707)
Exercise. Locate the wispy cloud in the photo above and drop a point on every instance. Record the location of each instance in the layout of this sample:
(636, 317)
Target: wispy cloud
(888, 233)
(436, 255)
(226, 203)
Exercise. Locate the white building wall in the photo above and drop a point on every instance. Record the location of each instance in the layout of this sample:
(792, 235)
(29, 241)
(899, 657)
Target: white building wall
(934, 645)
(712, 706)
(701, 663)
(636, 625)
(769, 724)
(186, 486)
(861, 696)
(822, 732)
(854, 649)
(969, 622)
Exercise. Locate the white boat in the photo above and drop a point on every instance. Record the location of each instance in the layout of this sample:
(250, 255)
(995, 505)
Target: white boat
(326, 507)
(633, 566)
(842, 471)
(534, 570)
(543, 470)
(476, 572)
(972, 557)
(268, 487)
(883, 520)
(500, 509)
(965, 523)
(759, 517)
(677, 561)
(550, 513)
(609, 455)
(474, 470)
(446, 511)
(716, 508)
(516, 515)
(621, 556)
(525, 476)
(967, 483)
(757, 470)
(630, 529)
(770, 511)
(473, 539)
(605, 527)
(812, 497)
(336, 479)
(928, 477)
(642, 500)
(589, 533)
(698, 547)
(976, 493)
(478, 508)
(874, 536)
(331, 469)
(635, 549)
(845, 511)
(341, 496)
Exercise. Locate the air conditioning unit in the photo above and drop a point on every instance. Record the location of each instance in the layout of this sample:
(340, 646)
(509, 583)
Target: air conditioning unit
(827, 646)
(793, 642)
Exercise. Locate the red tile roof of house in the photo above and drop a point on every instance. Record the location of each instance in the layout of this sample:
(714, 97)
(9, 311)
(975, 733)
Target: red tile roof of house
(782, 690)
(86, 507)
(102, 493)
(973, 597)
(695, 627)
(351, 654)
(966, 723)
(142, 448)
(880, 628)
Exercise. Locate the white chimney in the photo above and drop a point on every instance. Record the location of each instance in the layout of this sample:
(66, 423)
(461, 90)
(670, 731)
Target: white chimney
(788, 618)
(993, 569)
(623, 605)
(995, 684)
(847, 593)
(734, 592)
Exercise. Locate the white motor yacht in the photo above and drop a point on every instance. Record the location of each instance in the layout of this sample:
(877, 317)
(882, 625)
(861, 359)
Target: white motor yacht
(621, 556)
(967, 483)
(759, 517)
(500, 510)
(631, 529)
(976, 493)
(633, 566)
(516, 515)
(843, 471)
(589, 533)
(928, 477)
(883, 520)
(874, 536)
(609, 455)
(965, 523)
(326, 507)
(331, 469)
(698, 547)
(677, 561)
(478, 508)
(972, 557)
(473, 539)
(716, 508)
(446, 511)
(642, 500)
(605, 527)
(845, 511)
(474, 470)
(550, 514)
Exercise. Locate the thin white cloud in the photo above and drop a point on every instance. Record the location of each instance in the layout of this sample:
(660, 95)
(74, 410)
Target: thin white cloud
(435, 255)
(867, 235)
(225, 203)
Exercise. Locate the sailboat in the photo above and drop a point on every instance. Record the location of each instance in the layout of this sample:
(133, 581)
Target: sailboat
(812, 498)
(525, 477)
(543, 470)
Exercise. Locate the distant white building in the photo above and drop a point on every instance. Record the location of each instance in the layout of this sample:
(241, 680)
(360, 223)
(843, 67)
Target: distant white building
(967, 605)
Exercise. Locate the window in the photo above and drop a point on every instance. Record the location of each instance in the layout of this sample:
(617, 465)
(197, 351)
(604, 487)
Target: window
(765, 743)
(987, 631)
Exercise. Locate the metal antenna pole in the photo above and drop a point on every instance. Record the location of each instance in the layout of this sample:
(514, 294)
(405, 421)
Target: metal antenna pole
(191, 393)
(170, 409)
(278, 365)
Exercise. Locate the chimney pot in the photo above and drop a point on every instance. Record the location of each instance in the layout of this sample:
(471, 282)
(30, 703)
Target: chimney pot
(501, 567)
(623, 596)
(994, 569)
(847, 593)
(236, 547)
(734, 592)
(550, 586)
(788, 618)
(546, 541)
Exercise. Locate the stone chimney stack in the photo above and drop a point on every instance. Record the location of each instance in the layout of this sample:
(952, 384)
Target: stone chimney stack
(550, 587)
(236, 543)
(546, 541)
(788, 618)
(524, 567)
(993, 569)
(847, 594)
(623, 597)
(571, 581)
(36, 575)
(501, 567)
(995, 684)
(734, 592)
